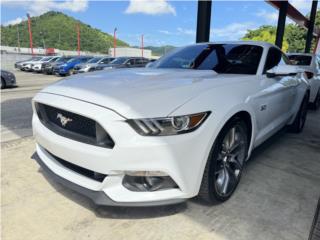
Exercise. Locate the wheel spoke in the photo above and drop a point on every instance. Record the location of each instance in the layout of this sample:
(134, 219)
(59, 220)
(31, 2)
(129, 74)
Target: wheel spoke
(235, 162)
(232, 179)
(226, 181)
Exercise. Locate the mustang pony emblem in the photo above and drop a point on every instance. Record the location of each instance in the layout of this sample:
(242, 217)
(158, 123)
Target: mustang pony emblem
(64, 120)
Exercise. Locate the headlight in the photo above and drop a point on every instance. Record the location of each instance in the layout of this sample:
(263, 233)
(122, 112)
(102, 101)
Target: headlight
(168, 125)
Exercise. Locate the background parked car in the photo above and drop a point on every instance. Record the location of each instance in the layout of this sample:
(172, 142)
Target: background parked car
(21, 64)
(311, 64)
(92, 64)
(18, 64)
(7, 79)
(125, 62)
(37, 67)
(67, 68)
(47, 68)
(27, 66)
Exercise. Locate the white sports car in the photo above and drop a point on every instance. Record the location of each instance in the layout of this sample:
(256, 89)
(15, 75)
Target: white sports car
(311, 64)
(160, 135)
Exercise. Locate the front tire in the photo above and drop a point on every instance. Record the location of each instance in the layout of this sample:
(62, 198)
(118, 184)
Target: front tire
(300, 120)
(225, 163)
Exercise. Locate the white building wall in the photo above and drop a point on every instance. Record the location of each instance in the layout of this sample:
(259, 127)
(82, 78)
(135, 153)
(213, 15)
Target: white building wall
(130, 52)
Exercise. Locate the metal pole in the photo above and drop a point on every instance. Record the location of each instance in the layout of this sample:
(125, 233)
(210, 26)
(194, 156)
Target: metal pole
(114, 42)
(142, 45)
(30, 33)
(78, 30)
(18, 38)
(311, 26)
(281, 23)
(317, 47)
(203, 21)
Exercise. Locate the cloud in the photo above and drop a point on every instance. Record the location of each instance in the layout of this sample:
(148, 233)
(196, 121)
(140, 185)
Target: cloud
(180, 31)
(150, 7)
(233, 31)
(186, 31)
(302, 5)
(165, 32)
(14, 21)
(38, 7)
(270, 17)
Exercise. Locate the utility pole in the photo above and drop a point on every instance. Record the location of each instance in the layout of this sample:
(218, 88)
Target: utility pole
(114, 42)
(142, 45)
(78, 30)
(30, 33)
(43, 42)
(18, 38)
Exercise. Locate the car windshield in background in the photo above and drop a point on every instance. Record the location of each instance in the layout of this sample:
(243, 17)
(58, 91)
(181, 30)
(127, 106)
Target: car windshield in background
(119, 60)
(72, 59)
(35, 59)
(46, 59)
(300, 60)
(94, 60)
(64, 59)
(222, 58)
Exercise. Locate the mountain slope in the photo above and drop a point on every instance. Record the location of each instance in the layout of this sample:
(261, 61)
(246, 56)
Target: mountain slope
(57, 30)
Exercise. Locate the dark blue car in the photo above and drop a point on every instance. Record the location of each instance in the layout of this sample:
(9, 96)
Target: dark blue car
(67, 67)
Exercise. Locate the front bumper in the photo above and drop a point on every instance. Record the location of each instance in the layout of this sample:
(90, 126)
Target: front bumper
(98, 197)
(182, 157)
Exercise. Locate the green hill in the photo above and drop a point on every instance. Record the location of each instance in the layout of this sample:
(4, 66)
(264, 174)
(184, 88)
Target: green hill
(57, 30)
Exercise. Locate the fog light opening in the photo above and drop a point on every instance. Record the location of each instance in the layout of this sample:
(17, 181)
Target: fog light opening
(148, 183)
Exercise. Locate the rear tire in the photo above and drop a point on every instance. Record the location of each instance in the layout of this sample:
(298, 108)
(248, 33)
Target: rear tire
(225, 163)
(3, 83)
(300, 120)
(316, 103)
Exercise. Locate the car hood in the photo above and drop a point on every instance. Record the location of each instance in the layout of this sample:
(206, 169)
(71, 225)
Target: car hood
(140, 92)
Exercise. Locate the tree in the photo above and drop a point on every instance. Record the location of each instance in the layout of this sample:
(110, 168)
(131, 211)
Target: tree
(294, 37)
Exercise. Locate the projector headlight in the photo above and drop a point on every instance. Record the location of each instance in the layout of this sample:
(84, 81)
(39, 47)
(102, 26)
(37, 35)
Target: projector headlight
(168, 125)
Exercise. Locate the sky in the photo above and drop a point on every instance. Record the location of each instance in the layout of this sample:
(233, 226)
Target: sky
(161, 22)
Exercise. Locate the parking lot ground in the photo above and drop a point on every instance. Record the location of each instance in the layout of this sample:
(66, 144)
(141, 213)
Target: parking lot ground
(276, 198)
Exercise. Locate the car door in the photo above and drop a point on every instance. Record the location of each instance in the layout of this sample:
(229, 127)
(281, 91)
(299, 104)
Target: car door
(274, 105)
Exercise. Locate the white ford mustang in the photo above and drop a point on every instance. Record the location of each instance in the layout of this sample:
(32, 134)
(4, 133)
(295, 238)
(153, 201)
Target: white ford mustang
(161, 135)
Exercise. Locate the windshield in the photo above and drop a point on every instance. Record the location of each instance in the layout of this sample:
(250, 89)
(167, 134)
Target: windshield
(71, 60)
(94, 60)
(119, 60)
(300, 60)
(222, 58)
(64, 59)
(35, 59)
(46, 58)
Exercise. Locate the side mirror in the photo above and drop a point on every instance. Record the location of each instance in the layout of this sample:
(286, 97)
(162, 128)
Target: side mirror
(283, 71)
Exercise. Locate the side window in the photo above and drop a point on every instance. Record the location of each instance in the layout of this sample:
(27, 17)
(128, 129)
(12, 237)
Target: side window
(274, 58)
(132, 61)
(105, 61)
(139, 61)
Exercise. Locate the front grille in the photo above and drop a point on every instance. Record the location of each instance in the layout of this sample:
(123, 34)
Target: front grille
(83, 171)
(77, 68)
(73, 126)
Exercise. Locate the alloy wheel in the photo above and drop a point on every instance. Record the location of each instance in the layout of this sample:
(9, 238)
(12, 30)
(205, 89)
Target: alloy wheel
(230, 161)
